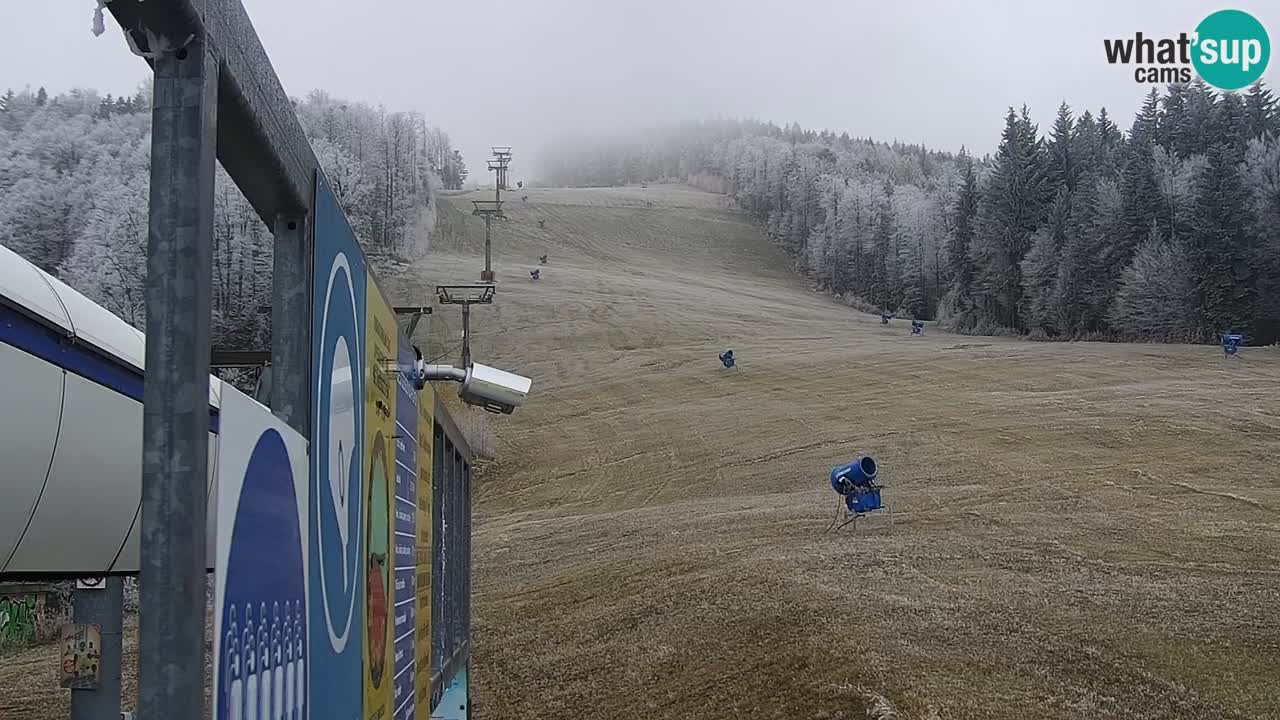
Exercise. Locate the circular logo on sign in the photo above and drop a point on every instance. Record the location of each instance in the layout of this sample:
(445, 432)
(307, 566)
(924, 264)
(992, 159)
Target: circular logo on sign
(1232, 49)
(264, 596)
(378, 571)
(337, 451)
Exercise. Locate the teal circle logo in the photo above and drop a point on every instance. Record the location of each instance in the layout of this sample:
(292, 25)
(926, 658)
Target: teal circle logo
(1231, 49)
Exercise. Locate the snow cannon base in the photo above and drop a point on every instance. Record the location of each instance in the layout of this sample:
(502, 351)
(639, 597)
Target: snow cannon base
(863, 501)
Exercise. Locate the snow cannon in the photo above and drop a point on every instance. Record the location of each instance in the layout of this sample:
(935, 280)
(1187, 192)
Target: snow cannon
(857, 483)
(727, 358)
(1231, 344)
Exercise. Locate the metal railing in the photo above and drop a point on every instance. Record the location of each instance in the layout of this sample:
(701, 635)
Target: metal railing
(451, 554)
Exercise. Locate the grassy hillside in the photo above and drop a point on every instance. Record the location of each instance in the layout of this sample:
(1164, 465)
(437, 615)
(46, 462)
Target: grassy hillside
(1080, 531)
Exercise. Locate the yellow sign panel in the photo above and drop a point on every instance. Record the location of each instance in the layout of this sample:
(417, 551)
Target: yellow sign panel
(426, 436)
(379, 442)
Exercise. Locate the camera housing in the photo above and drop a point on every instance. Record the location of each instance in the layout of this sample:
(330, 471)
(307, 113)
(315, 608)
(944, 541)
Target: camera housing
(497, 391)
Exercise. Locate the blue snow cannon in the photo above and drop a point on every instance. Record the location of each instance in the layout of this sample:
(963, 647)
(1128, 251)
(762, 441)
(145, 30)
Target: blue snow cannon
(1231, 344)
(726, 357)
(856, 481)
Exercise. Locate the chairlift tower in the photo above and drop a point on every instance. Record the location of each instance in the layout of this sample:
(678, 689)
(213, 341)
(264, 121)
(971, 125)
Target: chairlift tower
(466, 296)
(488, 209)
(498, 164)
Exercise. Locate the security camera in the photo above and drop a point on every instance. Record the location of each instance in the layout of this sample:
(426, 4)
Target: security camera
(497, 391)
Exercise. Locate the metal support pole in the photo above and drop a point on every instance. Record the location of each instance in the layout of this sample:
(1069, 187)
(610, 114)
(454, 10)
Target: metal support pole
(291, 323)
(175, 414)
(104, 608)
(466, 335)
(488, 251)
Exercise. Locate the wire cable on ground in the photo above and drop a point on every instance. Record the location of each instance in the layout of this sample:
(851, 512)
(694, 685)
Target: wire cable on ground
(834, 520)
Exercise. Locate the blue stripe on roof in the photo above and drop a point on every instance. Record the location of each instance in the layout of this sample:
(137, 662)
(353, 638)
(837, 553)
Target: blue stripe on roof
(57, 348)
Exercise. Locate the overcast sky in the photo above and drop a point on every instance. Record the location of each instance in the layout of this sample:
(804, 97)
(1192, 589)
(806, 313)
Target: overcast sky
(515, 72)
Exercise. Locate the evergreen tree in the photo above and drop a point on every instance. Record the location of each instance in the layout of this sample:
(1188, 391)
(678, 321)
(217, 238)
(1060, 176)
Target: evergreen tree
(1011, 210)
(1084, 285)
(881, 246)
(9, 119)
(1146, 125)
(1152, 298)
(141, 101)
(1137, 185)
(457, 170)
(1260, 109)
(1112, 142)
(1221, 248)
(1070, 286)
(1039, 273)
(42, 97)
(1262, 176)
(1173, 118)
(911, 280)
(1174, 177)
(1230, 126)
(1062, 171)
(1087, 150)
(1040, 267)
(1195, 128)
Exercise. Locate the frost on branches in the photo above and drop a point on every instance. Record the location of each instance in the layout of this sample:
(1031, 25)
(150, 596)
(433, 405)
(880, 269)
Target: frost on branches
(74, 174)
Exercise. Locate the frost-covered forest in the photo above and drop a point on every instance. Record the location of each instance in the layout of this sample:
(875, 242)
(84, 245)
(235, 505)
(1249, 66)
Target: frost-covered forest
(74, 173)
(1167, 232)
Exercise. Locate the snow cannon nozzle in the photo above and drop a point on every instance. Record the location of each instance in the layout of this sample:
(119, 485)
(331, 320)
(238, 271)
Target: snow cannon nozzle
(859, 473)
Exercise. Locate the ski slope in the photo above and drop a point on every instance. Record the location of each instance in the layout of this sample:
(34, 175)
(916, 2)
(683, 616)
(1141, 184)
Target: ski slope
(1082, 530)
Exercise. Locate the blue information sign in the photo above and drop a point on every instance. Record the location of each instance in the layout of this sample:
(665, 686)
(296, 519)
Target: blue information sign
(404, 618)
(335, 583)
